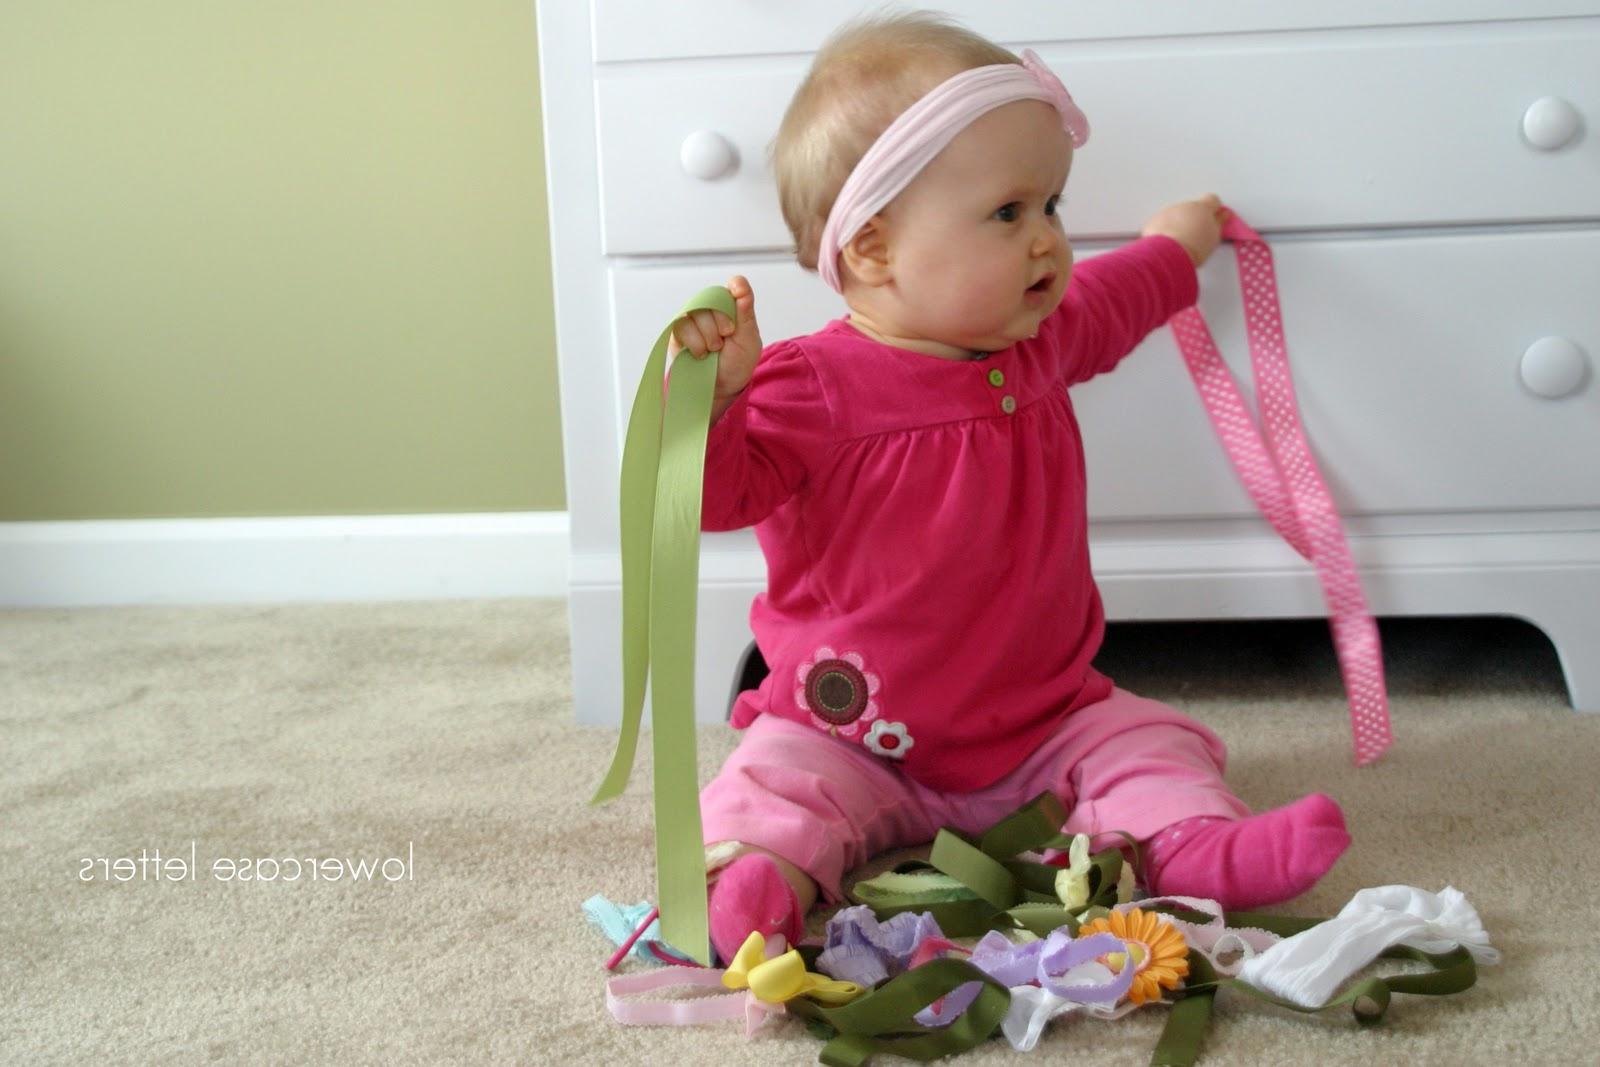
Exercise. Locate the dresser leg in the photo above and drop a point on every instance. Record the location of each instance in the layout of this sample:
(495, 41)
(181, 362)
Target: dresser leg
(1572, 623)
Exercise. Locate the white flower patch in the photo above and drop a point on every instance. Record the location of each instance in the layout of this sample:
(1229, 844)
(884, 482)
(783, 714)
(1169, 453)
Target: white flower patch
(889, 739)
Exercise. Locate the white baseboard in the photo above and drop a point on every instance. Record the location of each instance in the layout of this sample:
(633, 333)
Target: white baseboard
(281, 560)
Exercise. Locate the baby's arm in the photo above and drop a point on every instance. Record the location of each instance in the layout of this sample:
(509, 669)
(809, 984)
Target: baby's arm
(768, 440)
(1116, 299)
(769, 418)
(1194, 224)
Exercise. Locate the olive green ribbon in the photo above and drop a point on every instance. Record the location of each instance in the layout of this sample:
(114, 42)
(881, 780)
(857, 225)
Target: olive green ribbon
(1369, 998)
(883, 1020)
(981, 885)
(663, 472)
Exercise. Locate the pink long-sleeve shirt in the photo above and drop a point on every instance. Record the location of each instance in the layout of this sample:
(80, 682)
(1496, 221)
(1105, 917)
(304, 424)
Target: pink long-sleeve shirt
(924, 522)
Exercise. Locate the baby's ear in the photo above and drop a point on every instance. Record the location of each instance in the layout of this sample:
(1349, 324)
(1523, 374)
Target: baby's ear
(866, 255)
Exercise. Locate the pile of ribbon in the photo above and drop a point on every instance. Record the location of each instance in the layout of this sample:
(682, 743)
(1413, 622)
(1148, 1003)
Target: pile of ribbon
(1054, 941)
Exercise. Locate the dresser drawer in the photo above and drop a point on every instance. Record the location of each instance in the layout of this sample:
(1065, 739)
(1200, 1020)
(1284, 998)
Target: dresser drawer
(631, 30)
(1406, 356)
(1400, 128)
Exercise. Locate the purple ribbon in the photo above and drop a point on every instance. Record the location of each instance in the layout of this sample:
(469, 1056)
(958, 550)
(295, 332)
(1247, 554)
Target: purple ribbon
(1037, 961)
(860, 949)
(1062, 953)
(1007, 963)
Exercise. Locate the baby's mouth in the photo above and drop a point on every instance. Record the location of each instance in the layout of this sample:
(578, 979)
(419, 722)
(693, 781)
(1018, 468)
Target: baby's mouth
(1042, 284)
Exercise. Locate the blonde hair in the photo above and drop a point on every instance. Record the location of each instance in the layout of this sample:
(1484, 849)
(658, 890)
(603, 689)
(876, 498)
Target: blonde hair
(863, 77)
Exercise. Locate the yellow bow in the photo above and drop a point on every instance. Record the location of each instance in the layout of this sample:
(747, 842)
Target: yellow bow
(784, 977)
(1072, 883)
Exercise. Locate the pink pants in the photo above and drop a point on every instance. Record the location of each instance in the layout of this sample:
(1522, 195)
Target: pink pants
(1126, 763)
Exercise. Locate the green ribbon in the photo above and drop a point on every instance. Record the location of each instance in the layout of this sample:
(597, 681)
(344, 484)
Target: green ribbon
(663, 471)
(883, 1021)
(976, 886)
(1368, 999)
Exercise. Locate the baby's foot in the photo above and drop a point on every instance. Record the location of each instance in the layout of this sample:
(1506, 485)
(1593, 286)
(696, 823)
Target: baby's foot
(752, 894)
(1251, 862)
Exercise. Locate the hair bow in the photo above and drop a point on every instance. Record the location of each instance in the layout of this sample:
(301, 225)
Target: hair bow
(1073, 120)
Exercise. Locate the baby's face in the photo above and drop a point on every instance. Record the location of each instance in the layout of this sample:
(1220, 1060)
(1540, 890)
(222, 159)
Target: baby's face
(977, 250)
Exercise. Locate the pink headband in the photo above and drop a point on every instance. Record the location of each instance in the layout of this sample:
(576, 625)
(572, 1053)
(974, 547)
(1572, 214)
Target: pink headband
(922, 131)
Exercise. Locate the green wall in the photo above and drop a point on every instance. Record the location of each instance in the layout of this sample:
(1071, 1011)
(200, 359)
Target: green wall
(273, 257)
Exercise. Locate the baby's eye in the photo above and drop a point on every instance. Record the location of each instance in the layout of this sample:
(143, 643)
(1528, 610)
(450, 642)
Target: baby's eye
(1009, 212)
(1051, 204)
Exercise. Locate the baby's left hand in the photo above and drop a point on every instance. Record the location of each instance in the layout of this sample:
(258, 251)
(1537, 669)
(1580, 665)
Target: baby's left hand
(1195, 224)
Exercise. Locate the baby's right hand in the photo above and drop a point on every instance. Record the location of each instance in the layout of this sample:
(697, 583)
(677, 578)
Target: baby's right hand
(739, 342)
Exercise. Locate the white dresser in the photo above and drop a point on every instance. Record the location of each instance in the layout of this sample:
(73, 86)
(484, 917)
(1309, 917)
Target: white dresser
(1426, 172)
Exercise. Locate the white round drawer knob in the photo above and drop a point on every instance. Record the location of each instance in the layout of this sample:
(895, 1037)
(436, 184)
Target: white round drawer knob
(708, 156)
(1550, 123)
(1554, 367)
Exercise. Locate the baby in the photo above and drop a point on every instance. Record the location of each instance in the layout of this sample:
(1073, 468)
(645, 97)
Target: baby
(915, 475)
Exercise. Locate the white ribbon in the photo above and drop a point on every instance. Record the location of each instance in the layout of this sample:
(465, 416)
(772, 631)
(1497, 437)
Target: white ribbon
(1309, 967)
(1227, 948)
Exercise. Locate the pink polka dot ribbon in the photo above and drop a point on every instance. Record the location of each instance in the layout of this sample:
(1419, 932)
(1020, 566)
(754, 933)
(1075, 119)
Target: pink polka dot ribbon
(1279, 473)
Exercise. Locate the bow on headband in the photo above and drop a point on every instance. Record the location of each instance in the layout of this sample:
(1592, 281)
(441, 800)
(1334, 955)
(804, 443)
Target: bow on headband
(1073, 119)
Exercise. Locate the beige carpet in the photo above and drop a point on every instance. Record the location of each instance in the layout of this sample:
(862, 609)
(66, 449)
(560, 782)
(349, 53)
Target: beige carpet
(362, 732)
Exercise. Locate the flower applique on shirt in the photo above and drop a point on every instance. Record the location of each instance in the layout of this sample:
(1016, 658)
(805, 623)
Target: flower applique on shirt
(889, 739)
(838, 690)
